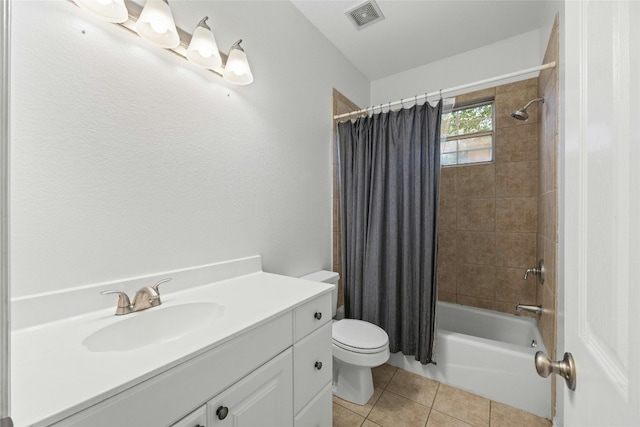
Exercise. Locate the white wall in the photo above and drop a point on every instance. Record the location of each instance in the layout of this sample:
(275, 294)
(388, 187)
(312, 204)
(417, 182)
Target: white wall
(127, 160)
(513, 54)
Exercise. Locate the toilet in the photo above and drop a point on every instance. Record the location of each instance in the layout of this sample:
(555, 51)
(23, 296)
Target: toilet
(358, 346)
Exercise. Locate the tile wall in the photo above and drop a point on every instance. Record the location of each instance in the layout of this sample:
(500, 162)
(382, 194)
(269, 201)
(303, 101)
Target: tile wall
(489, 212)
(341, 105)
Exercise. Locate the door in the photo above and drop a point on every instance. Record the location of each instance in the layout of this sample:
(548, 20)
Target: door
(5, 15)
(601, 218)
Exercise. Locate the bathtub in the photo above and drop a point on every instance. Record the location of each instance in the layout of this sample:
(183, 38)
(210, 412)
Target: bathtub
(489, 354)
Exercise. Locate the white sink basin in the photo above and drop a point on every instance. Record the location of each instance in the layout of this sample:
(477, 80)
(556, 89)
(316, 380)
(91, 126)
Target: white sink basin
(153, 326)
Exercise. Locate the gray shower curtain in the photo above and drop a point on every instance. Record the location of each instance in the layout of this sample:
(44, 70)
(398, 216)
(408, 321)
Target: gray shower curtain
(389, 178)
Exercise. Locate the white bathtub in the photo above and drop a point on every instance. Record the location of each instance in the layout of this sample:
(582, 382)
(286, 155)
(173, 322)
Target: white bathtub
(487, 353)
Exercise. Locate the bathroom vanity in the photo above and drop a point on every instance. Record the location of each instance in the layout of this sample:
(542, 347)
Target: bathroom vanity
(251, 349)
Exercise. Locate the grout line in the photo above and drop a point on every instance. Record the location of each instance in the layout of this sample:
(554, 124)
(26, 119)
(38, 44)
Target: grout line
(410, 400)
(347, 409)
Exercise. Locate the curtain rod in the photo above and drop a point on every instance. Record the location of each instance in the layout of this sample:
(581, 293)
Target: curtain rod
(451, 89)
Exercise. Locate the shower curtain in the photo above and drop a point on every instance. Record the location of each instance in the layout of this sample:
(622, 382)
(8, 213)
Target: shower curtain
(389, 167)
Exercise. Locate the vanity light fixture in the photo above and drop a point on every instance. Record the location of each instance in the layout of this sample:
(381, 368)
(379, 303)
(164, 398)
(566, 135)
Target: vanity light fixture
(109, 10)
(156, 24)
(203, 49)
(237, 69)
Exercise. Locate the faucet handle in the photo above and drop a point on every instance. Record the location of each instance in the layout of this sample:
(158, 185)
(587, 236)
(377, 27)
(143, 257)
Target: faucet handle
(124, 304)
(156, 287)
(536, 271)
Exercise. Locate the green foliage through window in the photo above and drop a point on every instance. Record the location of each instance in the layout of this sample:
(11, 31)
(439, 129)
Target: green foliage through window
(467, 135)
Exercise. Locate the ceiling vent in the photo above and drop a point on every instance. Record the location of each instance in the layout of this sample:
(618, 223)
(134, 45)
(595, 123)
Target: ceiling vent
(365, 14)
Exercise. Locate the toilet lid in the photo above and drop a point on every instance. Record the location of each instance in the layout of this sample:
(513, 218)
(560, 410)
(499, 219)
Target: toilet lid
(358, 334)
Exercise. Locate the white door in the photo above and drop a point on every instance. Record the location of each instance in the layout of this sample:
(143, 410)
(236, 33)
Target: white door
(5, 14)
(601, 217)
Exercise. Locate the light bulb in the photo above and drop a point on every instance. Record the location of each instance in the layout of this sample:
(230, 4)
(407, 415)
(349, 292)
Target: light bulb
(107, 10)
(237, 69)
(156, 24)
(159, 27)
(203, 49)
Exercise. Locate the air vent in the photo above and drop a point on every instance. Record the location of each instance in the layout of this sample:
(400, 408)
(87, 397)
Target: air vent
(365, 14)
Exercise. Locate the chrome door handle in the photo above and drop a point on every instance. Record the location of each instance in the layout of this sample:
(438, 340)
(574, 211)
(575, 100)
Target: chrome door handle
(566, 368)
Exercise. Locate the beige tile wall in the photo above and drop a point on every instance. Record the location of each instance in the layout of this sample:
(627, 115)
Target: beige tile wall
(548, 201)
(341, 105)
(489, 212)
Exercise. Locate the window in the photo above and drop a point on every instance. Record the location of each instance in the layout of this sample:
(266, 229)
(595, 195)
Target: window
(466, 135)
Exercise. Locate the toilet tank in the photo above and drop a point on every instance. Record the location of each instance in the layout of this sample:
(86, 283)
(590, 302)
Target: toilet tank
(325, 276)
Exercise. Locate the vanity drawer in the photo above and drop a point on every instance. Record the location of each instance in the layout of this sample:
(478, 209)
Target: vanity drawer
(312, 366)
(311, 315)
(318, 413)
(197, 418)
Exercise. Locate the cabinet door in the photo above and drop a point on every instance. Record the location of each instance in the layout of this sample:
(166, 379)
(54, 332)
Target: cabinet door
(318, 412)
(312, 365)
(197, 418)
(263, 398)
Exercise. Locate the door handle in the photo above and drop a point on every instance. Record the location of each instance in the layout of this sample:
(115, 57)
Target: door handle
(566, 368)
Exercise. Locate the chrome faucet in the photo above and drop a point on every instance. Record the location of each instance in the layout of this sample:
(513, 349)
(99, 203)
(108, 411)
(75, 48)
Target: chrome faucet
(146, 297)
(535, 309)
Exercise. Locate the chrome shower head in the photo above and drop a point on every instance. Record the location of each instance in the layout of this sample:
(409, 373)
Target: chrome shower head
(522, 113)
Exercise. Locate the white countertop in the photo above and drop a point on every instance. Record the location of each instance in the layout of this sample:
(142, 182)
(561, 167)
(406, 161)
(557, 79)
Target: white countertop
(54, 375)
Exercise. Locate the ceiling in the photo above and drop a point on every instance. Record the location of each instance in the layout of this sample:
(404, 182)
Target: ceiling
(419, 32)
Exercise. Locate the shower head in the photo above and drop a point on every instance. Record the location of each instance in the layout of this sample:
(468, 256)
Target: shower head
(522, 113)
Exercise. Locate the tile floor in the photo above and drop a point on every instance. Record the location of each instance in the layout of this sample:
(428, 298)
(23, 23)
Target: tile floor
(404, 399)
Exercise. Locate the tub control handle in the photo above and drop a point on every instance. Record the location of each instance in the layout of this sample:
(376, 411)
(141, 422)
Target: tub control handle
(317, 315)
(536, 271)
(318, 365)
(566, 368)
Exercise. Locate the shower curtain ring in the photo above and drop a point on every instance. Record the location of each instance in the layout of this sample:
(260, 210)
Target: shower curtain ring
(440, 93)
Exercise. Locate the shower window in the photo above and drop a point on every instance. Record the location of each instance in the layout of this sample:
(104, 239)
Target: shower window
(467, 134)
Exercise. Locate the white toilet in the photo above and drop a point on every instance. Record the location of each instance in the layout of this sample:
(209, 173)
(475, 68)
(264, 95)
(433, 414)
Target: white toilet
(358, 346)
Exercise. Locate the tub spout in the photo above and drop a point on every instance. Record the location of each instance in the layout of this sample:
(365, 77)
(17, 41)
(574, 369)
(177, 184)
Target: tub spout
(535, 309)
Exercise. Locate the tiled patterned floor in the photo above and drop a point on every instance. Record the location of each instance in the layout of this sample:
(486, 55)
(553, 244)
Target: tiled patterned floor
(403, 399)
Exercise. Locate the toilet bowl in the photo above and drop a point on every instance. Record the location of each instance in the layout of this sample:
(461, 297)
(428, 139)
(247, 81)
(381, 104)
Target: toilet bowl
(358, 346)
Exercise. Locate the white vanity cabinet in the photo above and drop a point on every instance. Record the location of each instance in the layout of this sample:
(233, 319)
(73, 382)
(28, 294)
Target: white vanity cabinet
(313, 363)
(250, 380)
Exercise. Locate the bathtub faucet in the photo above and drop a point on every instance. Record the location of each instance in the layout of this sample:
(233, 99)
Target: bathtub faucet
(535, 309)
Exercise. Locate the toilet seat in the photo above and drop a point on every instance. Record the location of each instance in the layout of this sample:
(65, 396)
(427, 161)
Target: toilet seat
(360, 350)
(359, 336)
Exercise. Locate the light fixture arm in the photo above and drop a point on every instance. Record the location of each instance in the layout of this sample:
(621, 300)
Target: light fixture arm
(236, 45)
(203, 23)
